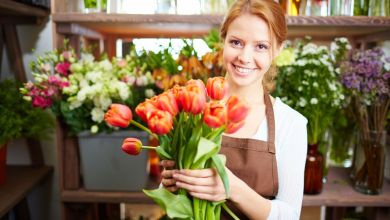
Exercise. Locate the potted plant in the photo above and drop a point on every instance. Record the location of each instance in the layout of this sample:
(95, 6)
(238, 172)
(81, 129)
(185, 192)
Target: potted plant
(19, 119)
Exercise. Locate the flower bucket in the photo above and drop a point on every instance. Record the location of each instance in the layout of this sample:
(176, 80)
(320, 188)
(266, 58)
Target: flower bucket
(105, 167)
(3, 163)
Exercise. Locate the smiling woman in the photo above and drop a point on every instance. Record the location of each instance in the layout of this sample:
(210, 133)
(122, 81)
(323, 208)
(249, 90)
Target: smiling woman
(266, 156)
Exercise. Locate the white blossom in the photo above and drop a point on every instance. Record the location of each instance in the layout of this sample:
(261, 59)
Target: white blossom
(97, 114)
(313, 101)
(149, 93)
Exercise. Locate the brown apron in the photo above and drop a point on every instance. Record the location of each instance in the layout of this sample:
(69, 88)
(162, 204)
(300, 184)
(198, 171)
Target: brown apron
(253, 161)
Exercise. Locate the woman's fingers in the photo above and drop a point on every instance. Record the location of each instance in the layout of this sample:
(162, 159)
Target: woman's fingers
(168, 182)
(199, 173)
(202, 181)
(167, 163)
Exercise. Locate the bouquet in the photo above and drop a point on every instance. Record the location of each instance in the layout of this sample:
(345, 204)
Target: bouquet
(188, 122)
(366, 78)
(80, 89)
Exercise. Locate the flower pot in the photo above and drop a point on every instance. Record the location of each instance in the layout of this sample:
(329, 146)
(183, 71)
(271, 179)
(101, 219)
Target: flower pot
(368, 171)
(3, 163)
(105, 167)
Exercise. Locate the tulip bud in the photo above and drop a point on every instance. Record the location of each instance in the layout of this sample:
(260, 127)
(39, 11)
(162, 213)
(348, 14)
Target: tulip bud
(118, 115)
(233, 127)
(237, 109)
(215, 114)
(132, 146)
(216, 88)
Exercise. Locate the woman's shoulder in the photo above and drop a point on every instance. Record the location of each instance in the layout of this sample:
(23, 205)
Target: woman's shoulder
(286, 114)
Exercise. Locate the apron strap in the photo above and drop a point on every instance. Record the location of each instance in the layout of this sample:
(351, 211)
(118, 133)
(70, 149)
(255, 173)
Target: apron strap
(269, 113)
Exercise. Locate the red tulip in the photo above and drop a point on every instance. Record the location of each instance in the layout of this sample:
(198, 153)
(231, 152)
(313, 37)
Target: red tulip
(233, 127)
(215, 114)
(167, 102)
(216, 88)
(132, 146)
(118, 115)
(143, 108)
(237, 109)
(176, 91)
(196, 85)
(160, 122)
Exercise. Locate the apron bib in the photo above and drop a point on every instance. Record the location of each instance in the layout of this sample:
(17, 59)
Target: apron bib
(253, 161)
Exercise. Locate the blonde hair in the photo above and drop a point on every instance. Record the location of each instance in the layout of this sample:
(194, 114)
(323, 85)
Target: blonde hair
(271, 12)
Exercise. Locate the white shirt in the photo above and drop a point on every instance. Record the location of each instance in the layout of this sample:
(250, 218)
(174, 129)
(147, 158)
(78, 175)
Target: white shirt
(291, 148)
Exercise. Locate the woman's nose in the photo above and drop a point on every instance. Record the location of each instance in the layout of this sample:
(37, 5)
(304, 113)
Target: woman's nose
(245, 56)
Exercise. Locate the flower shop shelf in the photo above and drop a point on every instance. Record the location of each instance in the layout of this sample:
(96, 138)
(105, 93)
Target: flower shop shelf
(18, 13)
(338, 192)
(158, 25)
(20, 181)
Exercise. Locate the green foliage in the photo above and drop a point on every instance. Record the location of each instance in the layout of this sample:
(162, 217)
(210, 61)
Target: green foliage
(18, 118)
(213, 40)
(309, 83)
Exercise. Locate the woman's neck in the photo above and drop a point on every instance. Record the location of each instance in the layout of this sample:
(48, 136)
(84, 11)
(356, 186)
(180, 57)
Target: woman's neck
(253, 94)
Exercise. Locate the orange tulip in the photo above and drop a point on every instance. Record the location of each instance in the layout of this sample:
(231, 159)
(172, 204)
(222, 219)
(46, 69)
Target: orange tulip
(191, 101)
(216, 88)
(237, 109)
(160, 122)
(118, 115)
(167, 102)
(215, 114)
(233, 127)
(132, 146)
(143, 108)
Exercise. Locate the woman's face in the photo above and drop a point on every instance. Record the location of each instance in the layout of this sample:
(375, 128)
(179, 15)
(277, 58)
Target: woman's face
(247, 50)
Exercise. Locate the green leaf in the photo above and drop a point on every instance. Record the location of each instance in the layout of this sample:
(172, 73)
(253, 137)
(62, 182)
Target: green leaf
(219, 161)
(163, 154)
(176, 206)
(205, 150)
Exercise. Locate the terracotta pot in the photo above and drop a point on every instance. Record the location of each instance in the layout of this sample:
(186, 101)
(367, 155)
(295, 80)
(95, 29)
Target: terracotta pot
(3, 163)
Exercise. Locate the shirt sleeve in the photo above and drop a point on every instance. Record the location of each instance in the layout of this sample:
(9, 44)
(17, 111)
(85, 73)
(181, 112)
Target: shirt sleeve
(291, 166)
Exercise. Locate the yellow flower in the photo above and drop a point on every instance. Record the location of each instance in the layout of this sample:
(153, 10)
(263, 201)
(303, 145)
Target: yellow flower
(286, 57)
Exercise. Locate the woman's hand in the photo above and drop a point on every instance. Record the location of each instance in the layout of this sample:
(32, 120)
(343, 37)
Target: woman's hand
(167, 175)
(203, 184)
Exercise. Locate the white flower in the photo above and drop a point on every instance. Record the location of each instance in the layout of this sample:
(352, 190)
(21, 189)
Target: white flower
(313, 101)
(82, 94)
(123, 90)
(302, 102)
(74, 103)
(105, 65)
(315, 84)
(105, 101)
(97, 114)
(94, 129)
(300, 88)
(332, 86)
(141, 81)
(86, 58)
(93, 76)
(149, 93)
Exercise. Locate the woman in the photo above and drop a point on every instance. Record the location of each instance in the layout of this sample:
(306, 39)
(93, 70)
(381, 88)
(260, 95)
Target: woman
(266, 157)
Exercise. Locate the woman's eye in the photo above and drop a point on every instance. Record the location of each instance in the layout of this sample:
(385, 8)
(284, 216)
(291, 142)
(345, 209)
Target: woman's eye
(262, 47)
(235, 43)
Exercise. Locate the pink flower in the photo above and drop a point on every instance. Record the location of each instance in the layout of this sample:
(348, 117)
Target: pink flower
(66, 55)
(122, 63)
(63, 68)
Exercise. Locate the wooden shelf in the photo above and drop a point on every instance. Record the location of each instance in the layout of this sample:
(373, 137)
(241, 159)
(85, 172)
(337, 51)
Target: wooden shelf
(18, 13)
(338, 191)
(20, 180)
(165, 25)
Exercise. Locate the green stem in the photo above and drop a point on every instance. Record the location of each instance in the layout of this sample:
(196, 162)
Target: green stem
(196, 208)
(224, 206)
(149, 147)
(143, 128)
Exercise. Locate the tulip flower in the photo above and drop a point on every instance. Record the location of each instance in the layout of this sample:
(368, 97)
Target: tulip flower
(216, 88)
(167, 102)
(215, 114)
(118, 115)
(160, 122)
(133, 146)
(143, 108)
(192, 101)
(237, 109)
(233, 127)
